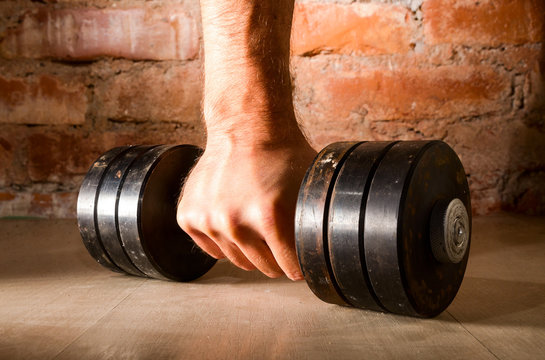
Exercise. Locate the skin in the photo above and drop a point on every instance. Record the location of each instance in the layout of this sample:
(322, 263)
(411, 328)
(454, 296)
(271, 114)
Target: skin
(239, 201)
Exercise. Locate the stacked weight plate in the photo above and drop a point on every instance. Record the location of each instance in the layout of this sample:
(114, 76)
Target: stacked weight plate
(385, 226)
(127, 213)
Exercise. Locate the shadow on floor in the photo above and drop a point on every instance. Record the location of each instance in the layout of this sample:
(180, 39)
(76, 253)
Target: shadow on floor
(493, 233)
(499, 302)
(38, 249)
(62, 262)
(226, 273)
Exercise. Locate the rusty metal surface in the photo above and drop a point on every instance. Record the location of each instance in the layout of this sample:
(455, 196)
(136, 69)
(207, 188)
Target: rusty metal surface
(107, 204)
(382, 231)
(437, 175)
(346, 224)
(147, 215)
(86, 208)
(311, 221)
(410, 179)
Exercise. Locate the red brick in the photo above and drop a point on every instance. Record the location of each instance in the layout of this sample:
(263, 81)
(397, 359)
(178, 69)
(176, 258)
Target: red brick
(534, 90)
(51, 205)
(484, 22)
(12, 156)
(154, 94)
(6, 196)
(367, 28)
(6, 160)
(64, 205)
(41, 203)
(59, 156)
(499, 154)
(14, 204)
(513, 58)
(166, 33)
(42, 100)
(65, 156)
(382, 94)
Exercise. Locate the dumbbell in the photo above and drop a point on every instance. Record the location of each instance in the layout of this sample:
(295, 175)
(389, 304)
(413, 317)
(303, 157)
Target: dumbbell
(383, 226)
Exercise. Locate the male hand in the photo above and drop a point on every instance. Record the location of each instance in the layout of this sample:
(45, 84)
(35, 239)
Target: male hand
(239, 202)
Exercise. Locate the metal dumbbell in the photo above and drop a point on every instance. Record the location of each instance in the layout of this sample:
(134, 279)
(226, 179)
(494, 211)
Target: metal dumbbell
(385, 226)
(379, 225)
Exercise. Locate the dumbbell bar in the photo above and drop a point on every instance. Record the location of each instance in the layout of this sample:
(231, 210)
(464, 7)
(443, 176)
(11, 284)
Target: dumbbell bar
(379, 225)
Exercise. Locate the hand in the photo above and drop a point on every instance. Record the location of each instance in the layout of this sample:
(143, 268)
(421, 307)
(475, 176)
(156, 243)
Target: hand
(239, 202)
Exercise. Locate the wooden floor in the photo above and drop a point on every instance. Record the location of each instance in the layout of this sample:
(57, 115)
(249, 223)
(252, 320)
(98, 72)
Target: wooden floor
(56, 303)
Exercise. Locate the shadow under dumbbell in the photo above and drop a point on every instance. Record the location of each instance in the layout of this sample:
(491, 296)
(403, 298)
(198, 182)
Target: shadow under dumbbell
(499, 302)
(33, 249)
(224, 272)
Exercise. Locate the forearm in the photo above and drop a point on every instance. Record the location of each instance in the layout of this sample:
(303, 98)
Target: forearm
(248, 95)
(239, 201)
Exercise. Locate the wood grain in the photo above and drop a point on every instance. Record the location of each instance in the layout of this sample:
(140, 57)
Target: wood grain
(55, 302)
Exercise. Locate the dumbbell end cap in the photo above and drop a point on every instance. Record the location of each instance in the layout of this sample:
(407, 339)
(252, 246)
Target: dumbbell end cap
(449, 231)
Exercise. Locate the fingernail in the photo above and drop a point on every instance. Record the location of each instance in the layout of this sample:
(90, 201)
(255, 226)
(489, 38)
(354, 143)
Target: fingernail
(297, 277)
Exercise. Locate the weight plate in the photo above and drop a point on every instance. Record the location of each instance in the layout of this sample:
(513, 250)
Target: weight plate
(86, 207)
(411, 178)
(147, 215)
(346, 224)
(107, 205)
(311, 216)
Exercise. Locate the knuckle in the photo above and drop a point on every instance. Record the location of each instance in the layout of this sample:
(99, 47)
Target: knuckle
(194, 221)
(183, 221)
(275, 222)
(230, 224)
(186, 219)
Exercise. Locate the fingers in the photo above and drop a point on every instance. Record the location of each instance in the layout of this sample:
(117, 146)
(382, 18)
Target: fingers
(209, 241)
(279, 225)
(238, 208)
(243, 246)
(256, 251)
(204, 242)
(236, 256)
(286, 257)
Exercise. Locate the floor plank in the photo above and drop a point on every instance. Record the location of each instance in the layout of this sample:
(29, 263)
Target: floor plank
(51, 291)
(231, 314)
(55, 302)
(502, 299)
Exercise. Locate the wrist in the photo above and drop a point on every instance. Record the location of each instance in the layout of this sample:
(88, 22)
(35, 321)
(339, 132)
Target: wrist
(252, 130)
(235, 99)
(247, 91)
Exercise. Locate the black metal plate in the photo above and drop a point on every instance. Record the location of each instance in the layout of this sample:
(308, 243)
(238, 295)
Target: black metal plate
(86, 208)
(437, 175)
(346, 224)
(147, 215)
(311, 216)
(405, 276)
(107, 205)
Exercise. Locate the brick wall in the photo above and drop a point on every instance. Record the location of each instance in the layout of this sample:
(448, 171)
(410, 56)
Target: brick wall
(79, 77)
